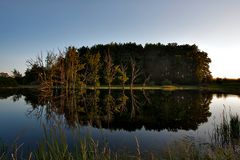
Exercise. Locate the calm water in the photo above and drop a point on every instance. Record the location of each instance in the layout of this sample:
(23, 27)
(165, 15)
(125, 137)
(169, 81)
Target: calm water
(155, 118)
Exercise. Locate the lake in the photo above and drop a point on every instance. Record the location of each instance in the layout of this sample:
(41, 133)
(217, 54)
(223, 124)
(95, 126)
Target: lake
(155, 118)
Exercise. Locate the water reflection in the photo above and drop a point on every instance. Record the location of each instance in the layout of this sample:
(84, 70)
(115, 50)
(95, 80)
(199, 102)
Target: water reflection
(127, 110)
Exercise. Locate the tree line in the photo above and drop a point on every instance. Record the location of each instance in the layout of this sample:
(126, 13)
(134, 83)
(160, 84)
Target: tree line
(119, 64)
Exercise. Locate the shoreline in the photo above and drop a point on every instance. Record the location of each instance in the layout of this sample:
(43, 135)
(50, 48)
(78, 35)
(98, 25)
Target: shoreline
(215, 88)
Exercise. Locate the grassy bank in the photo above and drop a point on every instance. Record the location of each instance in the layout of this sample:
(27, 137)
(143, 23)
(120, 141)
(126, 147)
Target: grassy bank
(232, 88)
(213, 87)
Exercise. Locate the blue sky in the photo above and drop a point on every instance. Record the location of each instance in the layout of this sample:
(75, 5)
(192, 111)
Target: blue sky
(29, 27)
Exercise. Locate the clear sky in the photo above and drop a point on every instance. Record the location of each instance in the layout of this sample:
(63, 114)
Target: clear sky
(29, 27)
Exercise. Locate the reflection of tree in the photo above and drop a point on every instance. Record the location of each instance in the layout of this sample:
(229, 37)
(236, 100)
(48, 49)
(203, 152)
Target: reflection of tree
(122, 110)
(109, 107)
(5, 93)
(177, 110)
(16, 97)
(135, 104)
(92, 110)
(122, 102)
(167, 110)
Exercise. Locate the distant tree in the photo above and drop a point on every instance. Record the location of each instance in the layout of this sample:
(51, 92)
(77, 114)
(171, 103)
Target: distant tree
(7, 82)
(181, 64)
(33, 72)
(37, 66)
(17, 76)
(2, 74)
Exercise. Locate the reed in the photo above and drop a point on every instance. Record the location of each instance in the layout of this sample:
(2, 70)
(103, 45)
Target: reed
(225, 144)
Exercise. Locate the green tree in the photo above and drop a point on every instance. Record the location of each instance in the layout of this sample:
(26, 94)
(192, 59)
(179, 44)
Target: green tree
(35, 73)
(17, 76)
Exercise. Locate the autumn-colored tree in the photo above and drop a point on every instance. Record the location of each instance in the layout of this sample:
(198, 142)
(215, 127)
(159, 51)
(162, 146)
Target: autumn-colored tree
(110, 69)
(122, 102)
(122, 74)
(50, 68)
(92, 68)
(72, 67)
(60, 70)
(109, 106)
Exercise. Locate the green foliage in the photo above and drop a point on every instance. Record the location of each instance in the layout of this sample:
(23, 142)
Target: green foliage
(7, 82)
(32, 75)
(166, 82)
(17, 76)
(181, 64)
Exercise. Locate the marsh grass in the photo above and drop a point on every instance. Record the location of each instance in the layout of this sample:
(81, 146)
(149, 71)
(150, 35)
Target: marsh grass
(3, 150)
(55, 146)
(182, 150)
(227, 133)
(225, 144)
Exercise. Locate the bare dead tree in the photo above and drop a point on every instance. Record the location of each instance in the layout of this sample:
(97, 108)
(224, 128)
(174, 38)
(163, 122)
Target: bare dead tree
(135, 73)
(147, 97)
(147, 79)
(135, 104)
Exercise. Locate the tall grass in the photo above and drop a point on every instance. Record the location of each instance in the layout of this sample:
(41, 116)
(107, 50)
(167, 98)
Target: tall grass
(227, 133)
(225, 144)
(55, 146)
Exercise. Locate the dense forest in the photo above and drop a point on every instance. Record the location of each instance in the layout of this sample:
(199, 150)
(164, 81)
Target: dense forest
(119, 64)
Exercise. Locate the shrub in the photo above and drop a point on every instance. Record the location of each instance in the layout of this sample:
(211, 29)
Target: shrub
(7, 82)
